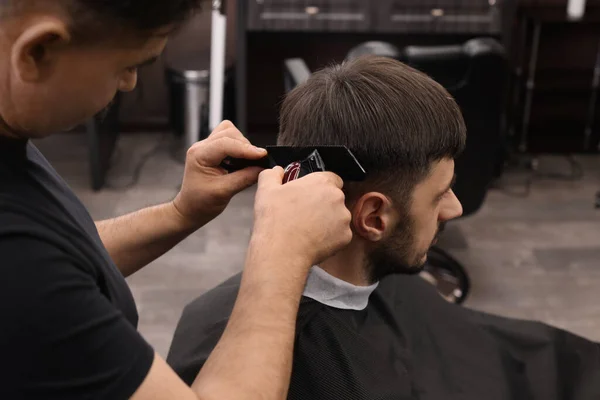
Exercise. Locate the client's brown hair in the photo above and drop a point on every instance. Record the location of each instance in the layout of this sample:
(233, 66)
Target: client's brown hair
(395, 119)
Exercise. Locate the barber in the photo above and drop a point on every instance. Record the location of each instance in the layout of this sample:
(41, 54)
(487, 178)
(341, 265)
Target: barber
(67, 318)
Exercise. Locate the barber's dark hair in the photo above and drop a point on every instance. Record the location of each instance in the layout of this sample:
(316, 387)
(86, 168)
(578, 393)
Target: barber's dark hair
(140, 15)
(95, 17)
(396, 120)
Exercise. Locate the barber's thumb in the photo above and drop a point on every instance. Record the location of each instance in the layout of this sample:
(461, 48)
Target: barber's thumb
(243, 179)
(271, 177)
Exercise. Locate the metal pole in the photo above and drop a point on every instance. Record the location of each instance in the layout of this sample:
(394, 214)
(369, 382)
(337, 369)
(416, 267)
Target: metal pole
(530, 85)
(217, 63)
(592, 105)
(519, 75)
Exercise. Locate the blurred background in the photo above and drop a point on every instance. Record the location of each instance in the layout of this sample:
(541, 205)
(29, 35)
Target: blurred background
(526, 74)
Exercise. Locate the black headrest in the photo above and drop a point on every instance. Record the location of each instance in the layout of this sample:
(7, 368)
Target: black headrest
(480, 46)
(449, 53)
(419, 54)
(295, 73)
(382, 49)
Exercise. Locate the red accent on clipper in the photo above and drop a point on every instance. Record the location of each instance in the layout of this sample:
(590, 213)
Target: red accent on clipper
(298, 169)
(292, 172)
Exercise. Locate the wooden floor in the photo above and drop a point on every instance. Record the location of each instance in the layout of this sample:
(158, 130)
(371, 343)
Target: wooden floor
(534, 257)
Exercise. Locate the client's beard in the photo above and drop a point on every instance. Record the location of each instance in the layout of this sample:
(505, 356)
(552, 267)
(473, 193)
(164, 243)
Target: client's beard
(103, 114)
(396, 255)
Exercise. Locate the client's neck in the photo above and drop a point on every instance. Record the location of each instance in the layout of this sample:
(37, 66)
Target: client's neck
(348, 265)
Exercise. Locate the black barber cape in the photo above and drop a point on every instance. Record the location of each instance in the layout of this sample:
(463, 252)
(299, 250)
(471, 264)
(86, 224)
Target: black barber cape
(67, 318)
(408, 343)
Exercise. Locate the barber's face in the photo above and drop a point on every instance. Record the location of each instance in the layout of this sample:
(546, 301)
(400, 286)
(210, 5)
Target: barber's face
(433, 203)
(49, 83)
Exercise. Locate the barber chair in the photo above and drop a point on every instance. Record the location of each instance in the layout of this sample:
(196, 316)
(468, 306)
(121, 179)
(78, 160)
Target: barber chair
(474, 73)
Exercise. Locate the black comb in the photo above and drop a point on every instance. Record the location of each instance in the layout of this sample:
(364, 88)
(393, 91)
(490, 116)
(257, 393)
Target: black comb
(337, 159)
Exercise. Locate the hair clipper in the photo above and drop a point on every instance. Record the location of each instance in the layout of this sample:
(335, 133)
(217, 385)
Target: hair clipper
(298, 169)
(300, 161)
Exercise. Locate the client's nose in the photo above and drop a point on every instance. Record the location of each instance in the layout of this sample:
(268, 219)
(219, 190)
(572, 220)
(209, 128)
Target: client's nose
(128, 81)
(451, 208)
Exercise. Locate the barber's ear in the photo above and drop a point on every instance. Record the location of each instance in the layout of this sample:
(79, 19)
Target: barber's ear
(373, 216)
(35, 50)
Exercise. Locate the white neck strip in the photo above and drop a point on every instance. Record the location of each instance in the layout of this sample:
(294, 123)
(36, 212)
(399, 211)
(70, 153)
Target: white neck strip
(334, 292)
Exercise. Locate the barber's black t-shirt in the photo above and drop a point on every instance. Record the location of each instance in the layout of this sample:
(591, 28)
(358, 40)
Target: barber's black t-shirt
(67, 318)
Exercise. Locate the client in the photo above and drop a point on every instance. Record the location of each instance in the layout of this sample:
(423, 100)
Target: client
(368, 328)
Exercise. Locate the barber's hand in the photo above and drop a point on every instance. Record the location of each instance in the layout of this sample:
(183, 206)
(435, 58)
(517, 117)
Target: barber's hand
(306, 218)
(207, 188)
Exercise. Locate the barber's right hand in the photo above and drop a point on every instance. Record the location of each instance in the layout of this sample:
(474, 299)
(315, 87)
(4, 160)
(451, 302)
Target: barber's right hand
(306, 218)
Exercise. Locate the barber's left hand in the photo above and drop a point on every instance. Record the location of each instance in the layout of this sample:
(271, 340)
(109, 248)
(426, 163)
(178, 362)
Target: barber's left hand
(207, 188)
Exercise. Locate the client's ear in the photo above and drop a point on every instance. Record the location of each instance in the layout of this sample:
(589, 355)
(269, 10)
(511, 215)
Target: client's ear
(373, 216)
(35, 50)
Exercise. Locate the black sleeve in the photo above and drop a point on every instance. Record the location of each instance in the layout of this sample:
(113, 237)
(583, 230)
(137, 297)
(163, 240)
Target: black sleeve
(60, 337)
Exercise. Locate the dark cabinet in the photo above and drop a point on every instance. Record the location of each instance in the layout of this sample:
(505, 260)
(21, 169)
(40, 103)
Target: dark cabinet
(310, 15)
(385, 16)
(439, 16)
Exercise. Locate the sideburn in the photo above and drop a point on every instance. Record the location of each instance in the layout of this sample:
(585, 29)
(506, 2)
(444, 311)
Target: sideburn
(394, 255)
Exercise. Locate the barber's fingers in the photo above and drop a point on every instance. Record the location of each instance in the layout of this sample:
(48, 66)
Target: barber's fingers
(226, 124)
(242, 179)
(270, 177)
(211, 153)
(227, 129)
(274, 177)
(327, 177)
(232, 133)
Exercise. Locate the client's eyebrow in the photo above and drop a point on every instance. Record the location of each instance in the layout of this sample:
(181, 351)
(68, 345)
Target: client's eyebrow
(450, 185)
